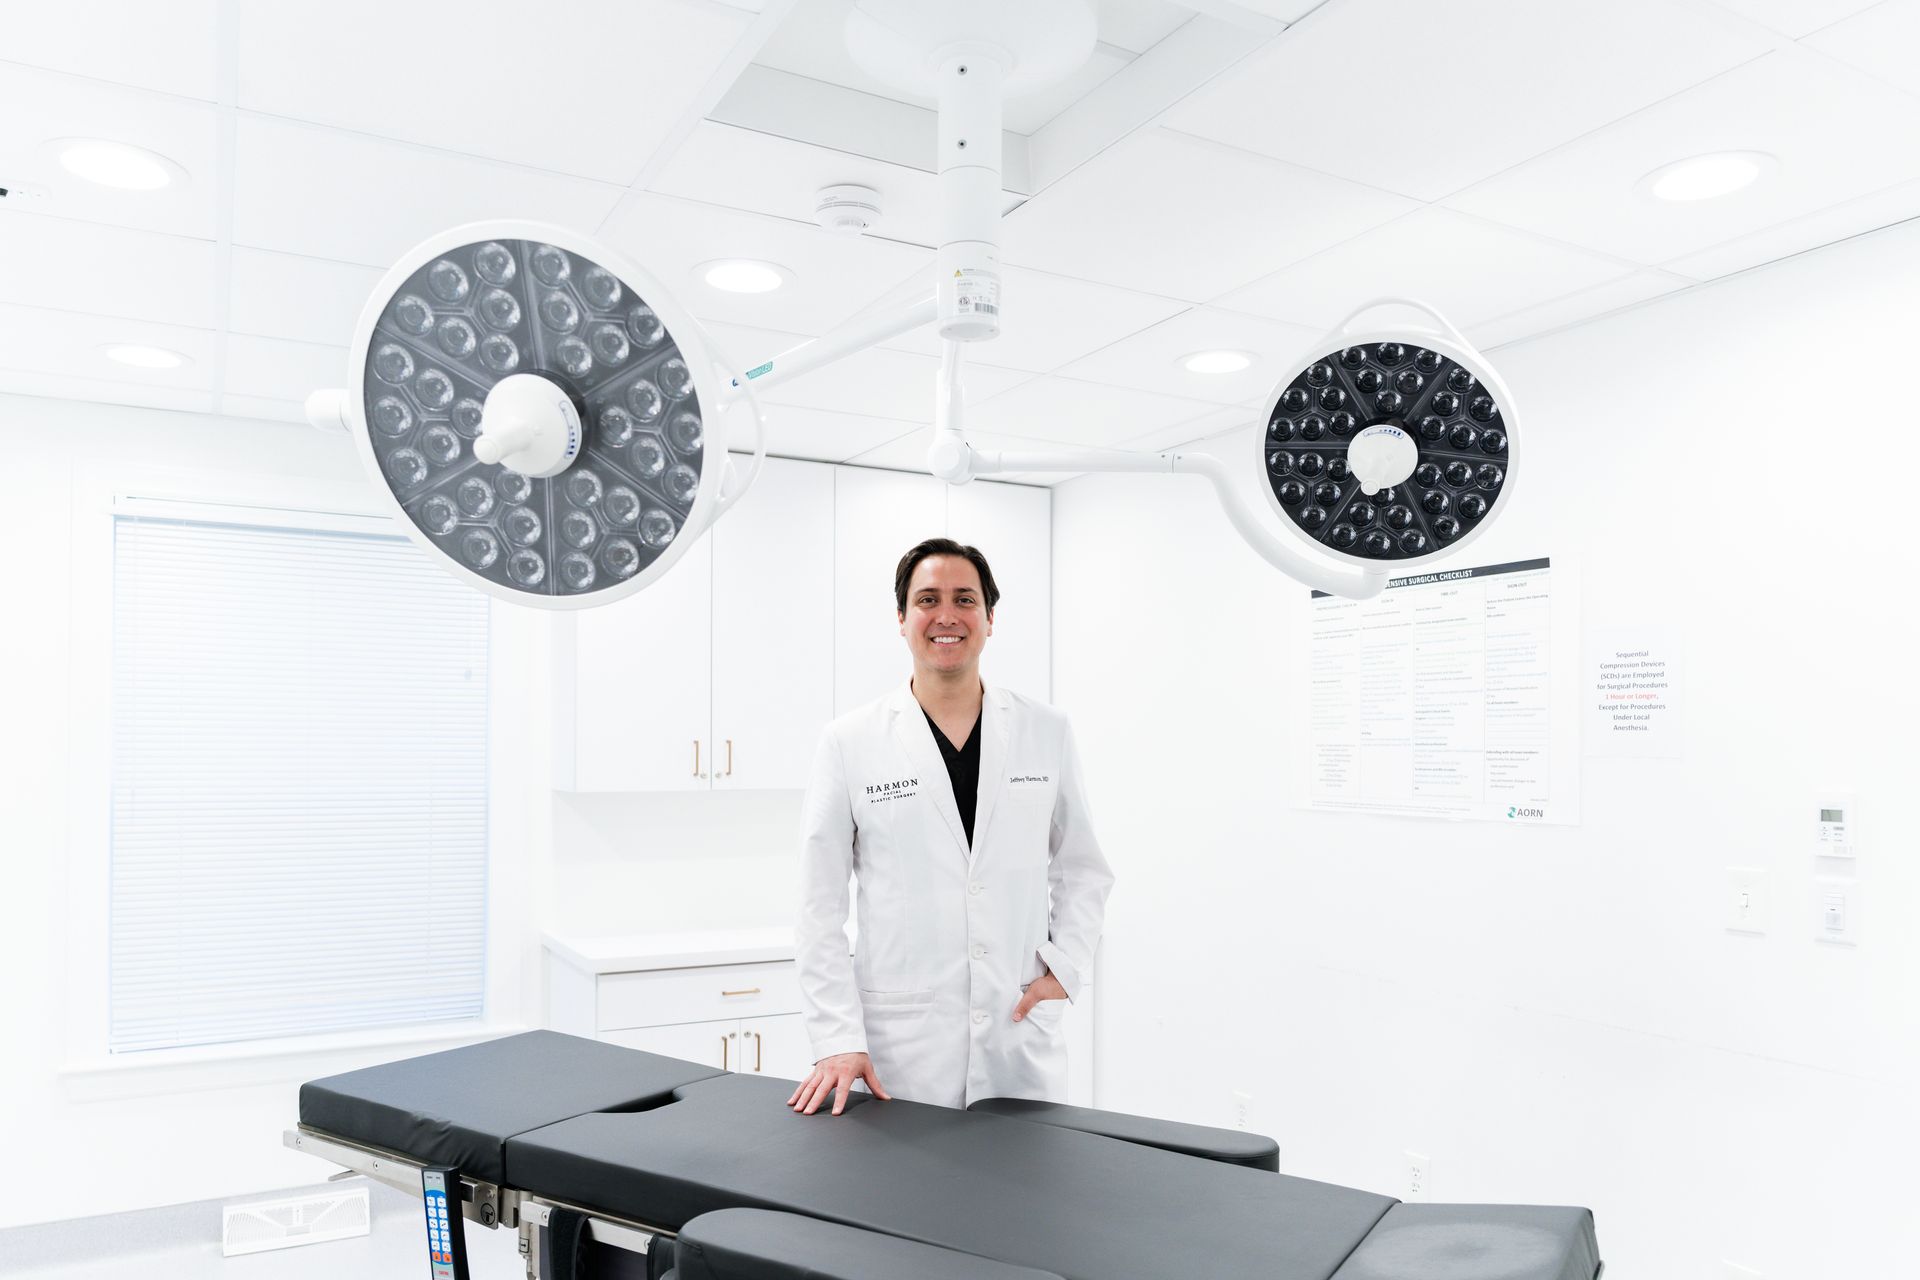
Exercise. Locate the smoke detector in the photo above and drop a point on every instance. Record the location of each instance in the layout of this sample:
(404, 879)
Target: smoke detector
(847, 209)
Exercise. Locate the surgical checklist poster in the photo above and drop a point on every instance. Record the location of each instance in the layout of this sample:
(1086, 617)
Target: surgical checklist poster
(1449, 695)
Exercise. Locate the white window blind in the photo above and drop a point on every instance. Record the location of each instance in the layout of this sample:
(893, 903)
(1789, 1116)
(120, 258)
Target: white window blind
(299, 831)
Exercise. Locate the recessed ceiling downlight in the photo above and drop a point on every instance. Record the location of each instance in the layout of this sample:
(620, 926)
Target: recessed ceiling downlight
(742, 275)
(139, 357)
(116, 164)
(1216, 361)
(1707, 177)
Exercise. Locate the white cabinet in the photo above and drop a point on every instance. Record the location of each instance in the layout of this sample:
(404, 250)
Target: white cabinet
(719, 675)
(773, 628)
(739, 1011)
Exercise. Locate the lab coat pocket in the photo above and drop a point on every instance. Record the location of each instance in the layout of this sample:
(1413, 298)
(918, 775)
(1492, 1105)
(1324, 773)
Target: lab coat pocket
(889, 1001)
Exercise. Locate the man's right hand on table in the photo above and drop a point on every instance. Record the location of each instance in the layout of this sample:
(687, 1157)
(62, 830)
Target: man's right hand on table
(835, 1076)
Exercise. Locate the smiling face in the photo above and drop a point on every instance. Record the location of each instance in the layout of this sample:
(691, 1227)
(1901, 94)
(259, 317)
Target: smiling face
(947, 621)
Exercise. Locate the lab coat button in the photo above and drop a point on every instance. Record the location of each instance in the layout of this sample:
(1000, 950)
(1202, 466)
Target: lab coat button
(975, 888)
(979, 1017)
(979, 952)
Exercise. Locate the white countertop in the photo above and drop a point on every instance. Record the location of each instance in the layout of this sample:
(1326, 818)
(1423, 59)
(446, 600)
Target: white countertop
(627, 952)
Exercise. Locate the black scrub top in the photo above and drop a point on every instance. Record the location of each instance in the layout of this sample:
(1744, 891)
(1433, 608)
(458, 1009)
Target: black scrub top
(963, 769)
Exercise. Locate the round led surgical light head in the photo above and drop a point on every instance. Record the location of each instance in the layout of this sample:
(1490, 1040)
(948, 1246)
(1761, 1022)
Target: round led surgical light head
(1391, 446)
(1707, 177)
(116, 164)
(742, 275)
(538, 413)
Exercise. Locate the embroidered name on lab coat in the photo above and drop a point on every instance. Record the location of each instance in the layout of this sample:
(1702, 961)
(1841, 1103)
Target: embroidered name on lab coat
(877, 792)
(1029, 779)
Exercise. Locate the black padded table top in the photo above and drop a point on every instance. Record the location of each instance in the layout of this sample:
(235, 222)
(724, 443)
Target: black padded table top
(1083, 1206)
(1231, 1146)
(753, 1244)
(1477, 1242)
(459, 1107)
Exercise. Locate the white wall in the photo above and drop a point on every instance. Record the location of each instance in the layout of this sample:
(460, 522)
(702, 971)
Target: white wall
(1556, 1015)
(191, 1132)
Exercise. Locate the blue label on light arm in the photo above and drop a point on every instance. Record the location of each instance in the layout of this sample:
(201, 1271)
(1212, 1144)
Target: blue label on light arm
(758, 371)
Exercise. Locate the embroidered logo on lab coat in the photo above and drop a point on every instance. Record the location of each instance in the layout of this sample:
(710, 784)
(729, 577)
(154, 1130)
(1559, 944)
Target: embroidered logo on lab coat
(877, 792)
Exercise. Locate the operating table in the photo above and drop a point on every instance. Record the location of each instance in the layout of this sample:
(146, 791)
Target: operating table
(621, 1165)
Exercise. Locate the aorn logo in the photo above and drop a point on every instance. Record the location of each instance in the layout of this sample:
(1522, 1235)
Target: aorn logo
(1516, 812)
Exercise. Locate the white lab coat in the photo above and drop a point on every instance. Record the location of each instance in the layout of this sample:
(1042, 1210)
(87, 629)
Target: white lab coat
(948, 938)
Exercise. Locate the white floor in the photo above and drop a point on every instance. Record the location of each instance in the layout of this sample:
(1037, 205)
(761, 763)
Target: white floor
(184, 1241)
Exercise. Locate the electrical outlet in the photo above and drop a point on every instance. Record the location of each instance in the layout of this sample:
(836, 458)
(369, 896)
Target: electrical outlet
(1242, 1104)
(1419, 1176)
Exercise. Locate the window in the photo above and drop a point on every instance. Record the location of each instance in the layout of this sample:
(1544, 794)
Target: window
(299, 754)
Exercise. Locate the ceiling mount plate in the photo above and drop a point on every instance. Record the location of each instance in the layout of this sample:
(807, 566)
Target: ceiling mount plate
(905, 43)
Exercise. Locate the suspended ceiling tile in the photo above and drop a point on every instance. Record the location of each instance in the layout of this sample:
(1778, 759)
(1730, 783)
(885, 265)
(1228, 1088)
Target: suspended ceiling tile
(1046, 320)
(1138, 25)
(40, 108)
(68, 344)
(1168, 214)
(1469, 268)
(55, 387)
(1856, 217)
(275, 369)
(830, 278)
(327, 194)
(1795, 18)
(1151, 360)
(113, 271)
(1284, 10)
(875, 383)
(167, 47)
(794, 431)
(1574, 308)
(1883, 41)
(283, 295)
(583, 87)
(1837, 135)
(1426, 98)
(781, 177)
(1029, 112)
(1196, 430)
(1068, 411)
(254, 407)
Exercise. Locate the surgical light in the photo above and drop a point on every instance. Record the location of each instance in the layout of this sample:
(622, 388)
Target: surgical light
(139, 357)
(1706, 177)
(742, 275)
(116, 164)
(554, 427)
(1217, 361)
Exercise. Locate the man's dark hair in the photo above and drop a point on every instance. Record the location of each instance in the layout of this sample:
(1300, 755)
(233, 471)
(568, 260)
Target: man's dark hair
(903, 576)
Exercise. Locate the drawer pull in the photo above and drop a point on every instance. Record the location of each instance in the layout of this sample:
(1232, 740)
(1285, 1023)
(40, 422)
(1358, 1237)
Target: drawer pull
(756, 1050)
(750, 991)
(723, 1053)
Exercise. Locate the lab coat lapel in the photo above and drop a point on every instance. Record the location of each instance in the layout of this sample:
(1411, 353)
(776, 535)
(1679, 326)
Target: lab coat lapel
(915, 736)
(994, 731)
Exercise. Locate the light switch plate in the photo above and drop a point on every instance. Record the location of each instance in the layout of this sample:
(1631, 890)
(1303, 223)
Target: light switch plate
(1745, 909)
(1836, 911)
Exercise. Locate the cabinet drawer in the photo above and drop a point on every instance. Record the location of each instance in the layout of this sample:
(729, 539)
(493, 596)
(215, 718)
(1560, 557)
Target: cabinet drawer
(665, 996)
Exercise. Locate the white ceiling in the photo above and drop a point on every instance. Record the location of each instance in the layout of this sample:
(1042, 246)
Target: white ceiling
(1214, 177)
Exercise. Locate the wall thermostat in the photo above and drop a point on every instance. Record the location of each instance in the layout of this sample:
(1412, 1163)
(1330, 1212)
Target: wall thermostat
(1837, 823)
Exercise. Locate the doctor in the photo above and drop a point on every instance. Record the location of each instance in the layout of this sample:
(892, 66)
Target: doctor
(959, 810)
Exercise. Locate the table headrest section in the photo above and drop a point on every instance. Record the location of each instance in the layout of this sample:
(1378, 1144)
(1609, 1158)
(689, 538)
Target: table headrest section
(1230, 1146)
(755, 1244)
(1478, 1242)
(1077, 1204)
(459, 1107)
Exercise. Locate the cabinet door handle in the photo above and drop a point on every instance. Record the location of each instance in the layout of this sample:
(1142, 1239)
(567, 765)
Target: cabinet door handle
(723, 1052)
(729, 757)
(745, 991)
(696, 757)
(756, 1050)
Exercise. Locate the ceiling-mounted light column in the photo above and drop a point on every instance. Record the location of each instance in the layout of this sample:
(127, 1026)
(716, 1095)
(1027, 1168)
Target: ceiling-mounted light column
(968, 261)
